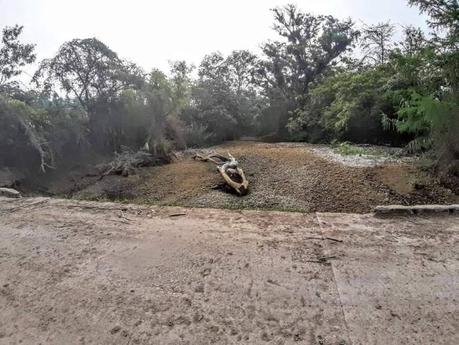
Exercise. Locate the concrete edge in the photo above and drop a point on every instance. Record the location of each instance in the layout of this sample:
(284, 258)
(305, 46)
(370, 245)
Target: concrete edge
(416, 209)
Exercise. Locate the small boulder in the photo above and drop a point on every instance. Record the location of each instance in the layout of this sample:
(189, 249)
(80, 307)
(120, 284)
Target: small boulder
(9, 193)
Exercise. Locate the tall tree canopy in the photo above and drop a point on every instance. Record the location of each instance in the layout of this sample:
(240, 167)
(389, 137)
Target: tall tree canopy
(310, 46)
(89, 71)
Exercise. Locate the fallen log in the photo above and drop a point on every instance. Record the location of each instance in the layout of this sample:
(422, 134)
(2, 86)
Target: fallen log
(126, 162)
(229, 169)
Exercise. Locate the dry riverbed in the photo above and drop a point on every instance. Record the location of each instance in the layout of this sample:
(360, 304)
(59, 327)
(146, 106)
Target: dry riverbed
(283, 176)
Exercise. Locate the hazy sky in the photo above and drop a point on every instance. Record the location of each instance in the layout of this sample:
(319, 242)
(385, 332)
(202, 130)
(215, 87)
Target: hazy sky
(152, 32)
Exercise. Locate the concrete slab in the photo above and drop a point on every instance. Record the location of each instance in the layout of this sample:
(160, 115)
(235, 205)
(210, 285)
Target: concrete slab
(397, 278)
(103, 273)
(89, 273)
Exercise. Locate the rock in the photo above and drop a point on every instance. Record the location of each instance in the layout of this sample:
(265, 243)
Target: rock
(115, 330)
(9, 193)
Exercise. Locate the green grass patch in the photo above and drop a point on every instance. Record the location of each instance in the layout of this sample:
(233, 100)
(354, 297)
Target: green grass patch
(347, 149)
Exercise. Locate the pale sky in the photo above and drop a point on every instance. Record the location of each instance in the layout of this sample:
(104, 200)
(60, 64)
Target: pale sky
(151, 33)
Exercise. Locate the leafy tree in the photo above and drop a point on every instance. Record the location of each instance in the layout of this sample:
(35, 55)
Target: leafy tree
(159, 101)
(430, 108)
(215, 104)
(21, 125)
(94, 75)
(349, 106)
(444, 14)
(22, 132)
(414, 41)
(181, 84)
(225, 100)
(444, 20)
(13, 54)
(241, 66)
(89, 71)
(311, 46)
(213, 68)
(38, 132)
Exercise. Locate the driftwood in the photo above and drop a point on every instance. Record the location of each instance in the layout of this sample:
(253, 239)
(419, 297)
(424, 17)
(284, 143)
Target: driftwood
(229, 168)
(127, 161)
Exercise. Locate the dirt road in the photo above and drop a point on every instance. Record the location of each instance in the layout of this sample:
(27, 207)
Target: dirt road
(283, 176)
(100, 273)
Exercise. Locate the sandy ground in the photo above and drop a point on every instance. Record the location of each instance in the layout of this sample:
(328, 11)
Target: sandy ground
(102, 273)
(282, 176)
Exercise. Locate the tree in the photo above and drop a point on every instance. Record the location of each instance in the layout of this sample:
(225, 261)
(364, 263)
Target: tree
(444, 20)
(214, 102)
(165, 100)
(180, 84)
(432, 113)
(310, 47)
(312, 44)
(235, 72)
(240, 66)
(414, 41)
(349, 106)
(376, 42)
(224, 97)
(89, 71)
(13, 54)
(444, 14)
(22, 136)
(213, 68)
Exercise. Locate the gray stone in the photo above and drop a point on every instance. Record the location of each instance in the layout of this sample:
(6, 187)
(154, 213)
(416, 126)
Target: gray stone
(10, 193)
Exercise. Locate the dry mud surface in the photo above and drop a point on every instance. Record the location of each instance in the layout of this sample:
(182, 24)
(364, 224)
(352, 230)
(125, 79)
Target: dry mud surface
(102, 273)
(282, 176)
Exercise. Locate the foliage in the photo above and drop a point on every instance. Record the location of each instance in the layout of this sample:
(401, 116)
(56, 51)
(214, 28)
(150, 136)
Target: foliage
(89, 71)
(88, 101)
(311, 45)
(435, 124)
(13, 54)
(433, 112)
(225, 102)
(22, 131)
(409, 94)
(347, 149)
(197, 135)
(444, 14)
(348, 106)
